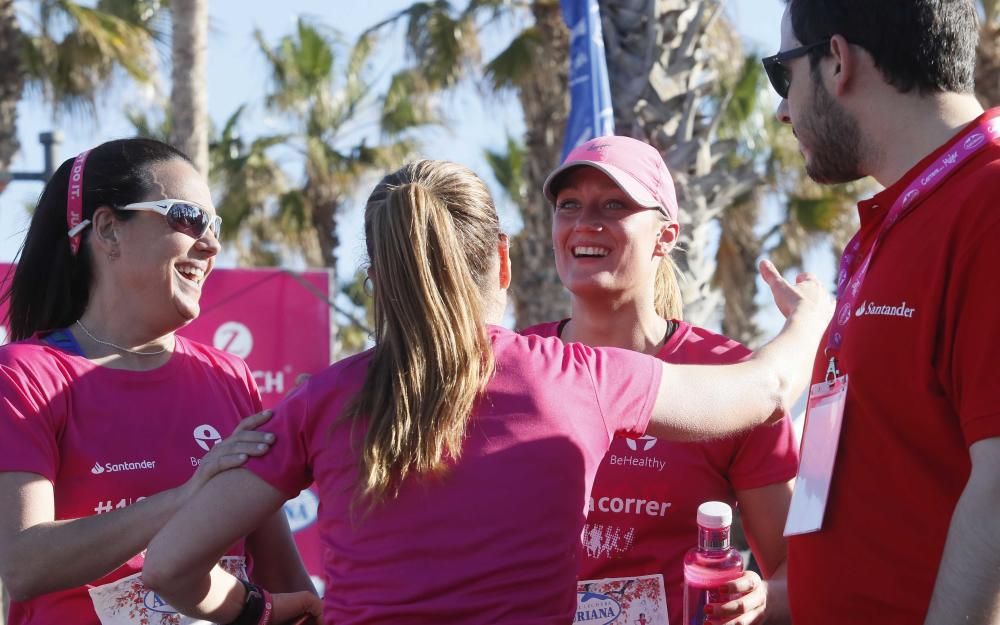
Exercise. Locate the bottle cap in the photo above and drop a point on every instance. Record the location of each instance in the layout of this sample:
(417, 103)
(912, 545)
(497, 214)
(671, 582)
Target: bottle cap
(715, 515)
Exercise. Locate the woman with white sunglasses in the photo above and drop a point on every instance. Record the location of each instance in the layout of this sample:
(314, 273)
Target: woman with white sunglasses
(107, 418)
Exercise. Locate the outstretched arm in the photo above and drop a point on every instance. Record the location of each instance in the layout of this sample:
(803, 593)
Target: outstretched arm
(697, 402)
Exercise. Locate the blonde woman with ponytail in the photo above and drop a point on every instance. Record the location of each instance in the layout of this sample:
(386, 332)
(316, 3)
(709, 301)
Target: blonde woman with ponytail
(455, 458)
(614, 226)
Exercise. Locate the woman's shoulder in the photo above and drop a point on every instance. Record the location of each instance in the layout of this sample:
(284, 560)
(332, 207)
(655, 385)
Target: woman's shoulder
(546, 329)
(209, 355)
(347, 374)
(34, 366)
(691, 344)
(31, 353)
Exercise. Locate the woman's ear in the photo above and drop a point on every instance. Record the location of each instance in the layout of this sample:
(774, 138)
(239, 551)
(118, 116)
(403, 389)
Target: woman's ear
(503, 255)
(104, 238)
(669, 232)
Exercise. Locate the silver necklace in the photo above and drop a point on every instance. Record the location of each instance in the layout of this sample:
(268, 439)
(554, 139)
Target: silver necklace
(136, 352)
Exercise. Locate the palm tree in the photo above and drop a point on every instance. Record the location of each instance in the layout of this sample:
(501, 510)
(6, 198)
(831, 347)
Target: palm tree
(68, 53)
(667, 62)
(321, 85)
(11, 84)
(188, 96)
(327, 102)
(444, 42)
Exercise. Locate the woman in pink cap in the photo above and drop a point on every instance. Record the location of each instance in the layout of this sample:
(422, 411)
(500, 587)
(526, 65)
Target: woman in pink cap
(108, 420)
(614, 226)
(455, 458)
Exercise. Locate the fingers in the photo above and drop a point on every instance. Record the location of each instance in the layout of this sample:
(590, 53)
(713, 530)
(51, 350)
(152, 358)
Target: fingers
(297, 607)
(743, 602)
(235, 450)
(770, 273)
(224, 463)
(254, 421)
(246, 448)
(747, 582)
(250, 437)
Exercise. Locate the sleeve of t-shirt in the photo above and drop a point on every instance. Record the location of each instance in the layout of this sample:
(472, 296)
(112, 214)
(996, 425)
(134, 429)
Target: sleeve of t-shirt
(286, 466)
(767, 454)
(625, 384)
(973, 307)
(29, 425)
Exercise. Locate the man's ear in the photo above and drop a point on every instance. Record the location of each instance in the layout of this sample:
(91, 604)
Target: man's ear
(847, 61)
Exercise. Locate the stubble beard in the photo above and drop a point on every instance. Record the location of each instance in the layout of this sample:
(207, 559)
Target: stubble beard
(838, 146)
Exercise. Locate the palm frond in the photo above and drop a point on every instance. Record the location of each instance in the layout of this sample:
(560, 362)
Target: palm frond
(76, 50)
(408, 103)
(507, 168)
(515, 63)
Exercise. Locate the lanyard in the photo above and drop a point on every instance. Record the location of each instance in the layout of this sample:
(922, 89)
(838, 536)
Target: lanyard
(849, 280)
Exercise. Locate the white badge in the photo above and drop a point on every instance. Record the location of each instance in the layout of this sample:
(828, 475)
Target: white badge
(626, 600)
(820, 439)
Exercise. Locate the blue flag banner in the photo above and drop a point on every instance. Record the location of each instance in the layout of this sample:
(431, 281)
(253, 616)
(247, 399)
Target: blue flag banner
(590, 113)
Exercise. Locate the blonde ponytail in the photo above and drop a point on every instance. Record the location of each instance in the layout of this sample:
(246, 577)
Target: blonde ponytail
(432, 233)
(668, 299)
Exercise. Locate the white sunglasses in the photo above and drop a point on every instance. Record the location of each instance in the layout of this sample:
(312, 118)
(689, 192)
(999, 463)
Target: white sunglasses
(183, 216)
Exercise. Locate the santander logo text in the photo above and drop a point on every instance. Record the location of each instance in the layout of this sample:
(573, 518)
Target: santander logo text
(871, 309)
(115, 467)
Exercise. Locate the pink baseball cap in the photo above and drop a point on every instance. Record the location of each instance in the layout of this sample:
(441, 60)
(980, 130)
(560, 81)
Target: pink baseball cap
(636, 167)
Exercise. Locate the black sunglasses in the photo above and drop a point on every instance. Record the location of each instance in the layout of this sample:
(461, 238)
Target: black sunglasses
(777, 73)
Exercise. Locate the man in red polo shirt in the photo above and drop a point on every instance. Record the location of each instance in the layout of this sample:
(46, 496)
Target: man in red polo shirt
(910, 532)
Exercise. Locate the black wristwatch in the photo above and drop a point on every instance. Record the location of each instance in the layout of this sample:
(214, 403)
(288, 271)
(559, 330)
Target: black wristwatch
(256, 607)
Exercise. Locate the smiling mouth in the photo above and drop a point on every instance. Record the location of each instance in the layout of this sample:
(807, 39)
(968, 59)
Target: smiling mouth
(590, 252)
(190, 273)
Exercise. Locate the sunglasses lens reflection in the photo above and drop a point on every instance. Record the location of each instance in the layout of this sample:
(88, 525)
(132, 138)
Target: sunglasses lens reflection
(189, 219)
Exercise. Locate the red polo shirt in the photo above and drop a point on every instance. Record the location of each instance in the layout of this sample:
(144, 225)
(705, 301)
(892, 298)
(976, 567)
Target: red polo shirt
(921, 352)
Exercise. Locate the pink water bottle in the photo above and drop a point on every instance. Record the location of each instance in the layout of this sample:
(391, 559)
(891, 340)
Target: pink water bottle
(712, 563)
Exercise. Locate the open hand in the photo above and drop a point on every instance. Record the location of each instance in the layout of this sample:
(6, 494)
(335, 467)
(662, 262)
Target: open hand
(806, 296)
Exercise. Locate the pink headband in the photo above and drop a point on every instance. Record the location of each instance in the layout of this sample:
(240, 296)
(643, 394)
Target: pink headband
(74, 202)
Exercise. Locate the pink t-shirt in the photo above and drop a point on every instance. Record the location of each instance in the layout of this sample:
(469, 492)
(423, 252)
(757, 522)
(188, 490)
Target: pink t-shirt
(643, 510)
(107, 438)
(495, 539)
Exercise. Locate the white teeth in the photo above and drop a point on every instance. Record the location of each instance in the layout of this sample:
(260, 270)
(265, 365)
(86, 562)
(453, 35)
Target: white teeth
(192, 273)
(590, 251)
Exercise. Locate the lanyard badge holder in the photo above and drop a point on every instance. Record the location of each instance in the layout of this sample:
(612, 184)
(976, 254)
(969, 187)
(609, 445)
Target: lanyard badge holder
(827, 399)
(820, 438)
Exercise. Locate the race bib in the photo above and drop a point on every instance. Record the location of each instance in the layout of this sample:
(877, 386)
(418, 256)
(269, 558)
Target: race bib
(621, 601)
(128, 601)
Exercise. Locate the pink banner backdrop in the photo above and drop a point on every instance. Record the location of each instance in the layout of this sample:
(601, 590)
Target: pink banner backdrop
(279, 323)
